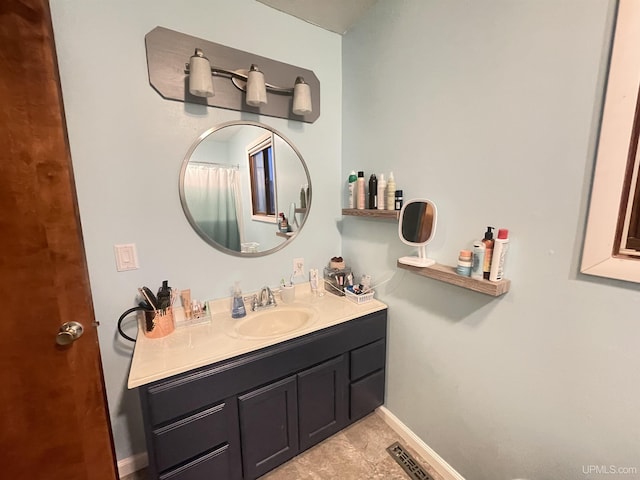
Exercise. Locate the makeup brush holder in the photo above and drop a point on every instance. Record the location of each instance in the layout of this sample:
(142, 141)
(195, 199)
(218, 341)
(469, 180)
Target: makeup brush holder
(158, 323)
(335, 279)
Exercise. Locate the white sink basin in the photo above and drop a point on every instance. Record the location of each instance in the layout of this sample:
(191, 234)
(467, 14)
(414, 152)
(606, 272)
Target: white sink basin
(274, 322)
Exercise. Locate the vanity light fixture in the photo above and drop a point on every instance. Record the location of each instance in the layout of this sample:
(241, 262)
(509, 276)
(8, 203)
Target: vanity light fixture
(219, 76)
(252, 82)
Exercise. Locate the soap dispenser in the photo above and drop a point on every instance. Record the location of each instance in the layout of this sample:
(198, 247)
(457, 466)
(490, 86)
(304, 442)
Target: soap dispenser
(237, 309)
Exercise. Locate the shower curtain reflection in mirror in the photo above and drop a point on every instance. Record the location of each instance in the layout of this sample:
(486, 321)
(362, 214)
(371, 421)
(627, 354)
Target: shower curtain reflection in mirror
(214, 200)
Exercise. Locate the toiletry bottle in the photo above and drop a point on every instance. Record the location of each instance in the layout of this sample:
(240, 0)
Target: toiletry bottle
(478, 260)
(398, 200)
(391, 193)
(373, 191)
(382, 193)
(500, 249)
(464, 263)
(352, 186)
(360, 190)
(303, 197)
(164, 295)
(237, 308)
(488, 245)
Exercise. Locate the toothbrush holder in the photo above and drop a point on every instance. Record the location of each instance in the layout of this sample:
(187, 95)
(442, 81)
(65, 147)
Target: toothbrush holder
(288, 293)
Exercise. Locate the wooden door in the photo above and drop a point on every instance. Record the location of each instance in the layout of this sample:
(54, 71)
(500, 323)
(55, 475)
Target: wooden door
(53, 422)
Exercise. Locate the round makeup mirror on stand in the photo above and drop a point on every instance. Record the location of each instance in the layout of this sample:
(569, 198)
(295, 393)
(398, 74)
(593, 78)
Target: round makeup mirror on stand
(416, 227)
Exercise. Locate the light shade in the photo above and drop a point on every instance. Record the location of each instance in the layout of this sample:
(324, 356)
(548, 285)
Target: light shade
(256, 88)
(200, 81)
(301, 97)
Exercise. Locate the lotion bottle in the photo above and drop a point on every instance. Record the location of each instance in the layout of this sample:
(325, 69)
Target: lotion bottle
(500, 249)
(352, 185)
(391, 193)
(360, 189)
(488, 244)
(382, 192)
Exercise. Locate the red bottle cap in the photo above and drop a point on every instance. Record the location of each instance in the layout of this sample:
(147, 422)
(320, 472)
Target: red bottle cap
(503, 233)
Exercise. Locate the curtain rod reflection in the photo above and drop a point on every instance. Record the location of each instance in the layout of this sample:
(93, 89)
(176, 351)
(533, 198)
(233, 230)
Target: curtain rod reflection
(214, 164)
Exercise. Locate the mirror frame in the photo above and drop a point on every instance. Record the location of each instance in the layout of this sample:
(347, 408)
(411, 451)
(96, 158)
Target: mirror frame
(192, 221)
(619, 111)
(421, 260)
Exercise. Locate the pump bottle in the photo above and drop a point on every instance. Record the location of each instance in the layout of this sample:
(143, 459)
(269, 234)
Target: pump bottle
(488, 252)
(237, 309)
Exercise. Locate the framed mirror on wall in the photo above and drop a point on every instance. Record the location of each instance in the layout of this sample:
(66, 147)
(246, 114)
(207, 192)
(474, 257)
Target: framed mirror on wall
(236, 180)
(610, 249)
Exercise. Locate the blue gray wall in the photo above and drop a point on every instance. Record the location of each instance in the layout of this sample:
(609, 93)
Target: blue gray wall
(128, 143)
(491, 109)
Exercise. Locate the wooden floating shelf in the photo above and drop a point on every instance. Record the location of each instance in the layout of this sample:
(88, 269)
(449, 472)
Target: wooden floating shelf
(388, 214)
(285, 235)
(448, 274)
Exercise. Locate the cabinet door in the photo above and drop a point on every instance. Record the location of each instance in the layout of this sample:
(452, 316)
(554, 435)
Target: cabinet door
(322, 401)
(366, 395)
(268, 426)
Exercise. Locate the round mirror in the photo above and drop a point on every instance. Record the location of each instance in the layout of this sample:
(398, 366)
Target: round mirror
(245, 189)
(416, 227)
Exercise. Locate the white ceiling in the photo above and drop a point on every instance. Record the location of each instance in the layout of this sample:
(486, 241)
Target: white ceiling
(334, 15)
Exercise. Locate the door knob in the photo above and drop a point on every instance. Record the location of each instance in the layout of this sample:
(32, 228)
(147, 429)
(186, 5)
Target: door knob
(69, 332)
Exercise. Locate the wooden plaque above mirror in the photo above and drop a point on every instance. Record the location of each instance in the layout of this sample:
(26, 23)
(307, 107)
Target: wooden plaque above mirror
(236, 180)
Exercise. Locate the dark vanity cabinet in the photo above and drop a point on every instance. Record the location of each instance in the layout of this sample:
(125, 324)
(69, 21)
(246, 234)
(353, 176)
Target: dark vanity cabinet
(241, 417)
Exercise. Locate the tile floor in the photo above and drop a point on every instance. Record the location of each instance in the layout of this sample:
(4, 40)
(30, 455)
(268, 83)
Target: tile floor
(357, 452)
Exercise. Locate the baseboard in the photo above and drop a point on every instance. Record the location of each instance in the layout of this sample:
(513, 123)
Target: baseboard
(425, 451)
(131, 464)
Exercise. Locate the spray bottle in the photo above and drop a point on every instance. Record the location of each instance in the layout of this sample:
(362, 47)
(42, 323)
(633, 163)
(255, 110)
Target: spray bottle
(391, 193)
(382, 192)
(352, 184)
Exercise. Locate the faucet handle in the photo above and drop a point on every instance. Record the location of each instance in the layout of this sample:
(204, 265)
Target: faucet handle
(254, 302)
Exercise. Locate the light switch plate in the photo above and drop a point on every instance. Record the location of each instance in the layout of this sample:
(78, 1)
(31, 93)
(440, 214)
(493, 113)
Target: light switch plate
(126, 257)
(298, 267)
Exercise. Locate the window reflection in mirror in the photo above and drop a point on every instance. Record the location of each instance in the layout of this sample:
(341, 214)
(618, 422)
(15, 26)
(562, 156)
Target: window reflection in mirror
(234, 180)
(262, 176)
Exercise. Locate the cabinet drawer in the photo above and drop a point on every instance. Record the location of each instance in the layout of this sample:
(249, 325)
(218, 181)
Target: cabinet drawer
(212, 465)
(190, 436)
(367, 359)
(366, 394)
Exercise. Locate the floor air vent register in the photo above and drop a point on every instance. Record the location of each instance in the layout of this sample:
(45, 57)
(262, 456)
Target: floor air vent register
(407, 462)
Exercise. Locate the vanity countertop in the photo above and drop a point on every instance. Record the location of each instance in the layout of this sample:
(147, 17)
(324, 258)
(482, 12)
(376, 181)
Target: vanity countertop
(189, 347)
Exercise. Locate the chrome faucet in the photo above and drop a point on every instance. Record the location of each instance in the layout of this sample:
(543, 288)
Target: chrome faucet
(263, 300)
